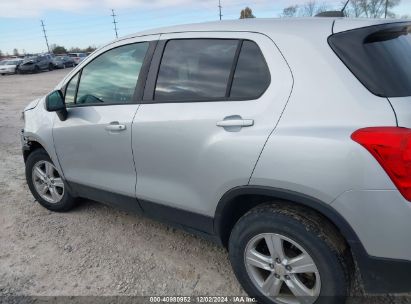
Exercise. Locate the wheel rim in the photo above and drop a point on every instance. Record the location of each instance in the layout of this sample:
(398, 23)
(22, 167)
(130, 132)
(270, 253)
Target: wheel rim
(48, 182)
(281, 269)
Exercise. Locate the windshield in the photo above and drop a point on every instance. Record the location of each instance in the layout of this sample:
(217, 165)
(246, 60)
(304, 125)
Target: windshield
(379, 56)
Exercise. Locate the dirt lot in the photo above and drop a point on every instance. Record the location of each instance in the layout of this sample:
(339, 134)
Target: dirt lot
(93, 250)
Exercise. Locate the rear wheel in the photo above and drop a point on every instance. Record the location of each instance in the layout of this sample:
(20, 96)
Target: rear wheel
(280, 256)
(46, 184)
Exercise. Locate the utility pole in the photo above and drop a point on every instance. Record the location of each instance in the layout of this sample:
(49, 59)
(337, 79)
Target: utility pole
(114, 22)
(45, 35)
(219, 7)
(386, 8)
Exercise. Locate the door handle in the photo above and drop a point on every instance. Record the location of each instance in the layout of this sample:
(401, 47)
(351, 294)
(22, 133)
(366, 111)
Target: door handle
(115, 126)
(235, 123)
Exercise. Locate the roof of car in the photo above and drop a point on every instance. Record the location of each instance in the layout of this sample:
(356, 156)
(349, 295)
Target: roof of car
(263, 25)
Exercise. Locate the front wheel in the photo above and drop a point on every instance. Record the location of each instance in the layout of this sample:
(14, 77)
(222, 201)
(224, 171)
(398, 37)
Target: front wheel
(46, 184)
(281, 256)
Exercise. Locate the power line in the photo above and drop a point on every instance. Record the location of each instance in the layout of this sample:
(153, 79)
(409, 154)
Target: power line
(114, 22)
(45, 35)
(220, 7)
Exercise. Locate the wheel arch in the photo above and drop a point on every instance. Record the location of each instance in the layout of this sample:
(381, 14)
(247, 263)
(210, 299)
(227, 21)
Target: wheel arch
(31, 146)
(237, 201)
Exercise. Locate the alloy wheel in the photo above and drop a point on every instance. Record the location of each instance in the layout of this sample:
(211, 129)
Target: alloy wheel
(281, 269)
(48, 182)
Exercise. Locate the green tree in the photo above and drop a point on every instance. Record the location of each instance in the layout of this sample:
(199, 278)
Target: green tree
(290, 11)
(75, 50)
(246, 13)
(58, 49)
(90, 49)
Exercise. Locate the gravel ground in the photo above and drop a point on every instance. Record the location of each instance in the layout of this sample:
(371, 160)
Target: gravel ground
(94, 250)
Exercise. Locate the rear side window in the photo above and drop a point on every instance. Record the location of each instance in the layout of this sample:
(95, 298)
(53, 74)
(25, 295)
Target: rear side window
(379, 56)
(211, 70)
(251, 77)
(195, 69)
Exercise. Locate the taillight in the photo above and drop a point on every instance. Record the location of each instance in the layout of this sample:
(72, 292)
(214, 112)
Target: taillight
(391, 146)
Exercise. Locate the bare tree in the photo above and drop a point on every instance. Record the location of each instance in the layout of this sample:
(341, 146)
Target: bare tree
(246, 13)
(290, 11)
(371, 8)
(309, 8)
(312, 8)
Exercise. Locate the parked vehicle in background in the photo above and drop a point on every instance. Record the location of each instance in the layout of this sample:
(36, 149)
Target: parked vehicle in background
(78, 57)
(287, 141)
(36, 64)
(9, 66)
(61, 62)
(57, 63)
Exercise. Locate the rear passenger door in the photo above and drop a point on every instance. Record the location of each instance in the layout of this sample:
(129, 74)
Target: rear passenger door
(210, 102)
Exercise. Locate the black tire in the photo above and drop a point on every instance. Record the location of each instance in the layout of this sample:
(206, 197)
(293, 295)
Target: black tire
(51, 67)
(67, 201)
(36, 69)
(319, 239)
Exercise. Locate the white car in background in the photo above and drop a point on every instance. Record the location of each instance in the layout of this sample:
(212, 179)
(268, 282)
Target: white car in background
(9, 66)
(78, 57)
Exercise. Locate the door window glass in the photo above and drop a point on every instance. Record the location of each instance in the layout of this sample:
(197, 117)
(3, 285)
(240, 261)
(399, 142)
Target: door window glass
(112, 77)
(251, 77)
(195, 69)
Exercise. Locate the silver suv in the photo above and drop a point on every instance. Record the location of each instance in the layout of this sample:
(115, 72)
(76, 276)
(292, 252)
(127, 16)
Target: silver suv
(286, 141)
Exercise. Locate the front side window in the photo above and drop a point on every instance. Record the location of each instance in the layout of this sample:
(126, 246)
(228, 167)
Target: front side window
(195, 69)
(112, 77)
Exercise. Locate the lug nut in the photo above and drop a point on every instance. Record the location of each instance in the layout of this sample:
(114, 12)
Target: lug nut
(288, 267)
(278, 261)
(286, 277)
(276, 276)
(271, 266)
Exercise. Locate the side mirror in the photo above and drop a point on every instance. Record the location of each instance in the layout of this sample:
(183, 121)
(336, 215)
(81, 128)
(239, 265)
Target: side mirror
(55, 103)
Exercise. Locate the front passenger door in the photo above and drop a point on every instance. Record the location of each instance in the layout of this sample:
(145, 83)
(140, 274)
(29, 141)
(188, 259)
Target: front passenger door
(94, 143)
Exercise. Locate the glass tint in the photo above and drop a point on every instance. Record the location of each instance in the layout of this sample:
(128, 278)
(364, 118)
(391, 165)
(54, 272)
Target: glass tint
(251, 77)
(195, 69)
(112, 77)
(71, 91)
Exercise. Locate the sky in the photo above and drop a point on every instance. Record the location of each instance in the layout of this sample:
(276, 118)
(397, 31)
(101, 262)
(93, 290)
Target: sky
(81, 23)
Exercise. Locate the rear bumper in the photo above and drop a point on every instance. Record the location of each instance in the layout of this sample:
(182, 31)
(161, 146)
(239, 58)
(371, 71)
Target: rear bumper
(7, 71)
(381, 220)
(382, 275)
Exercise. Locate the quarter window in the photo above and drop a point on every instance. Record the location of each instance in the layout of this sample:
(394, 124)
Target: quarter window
(195, 69)
(112, 77)
(251, 77)
(71, 91)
